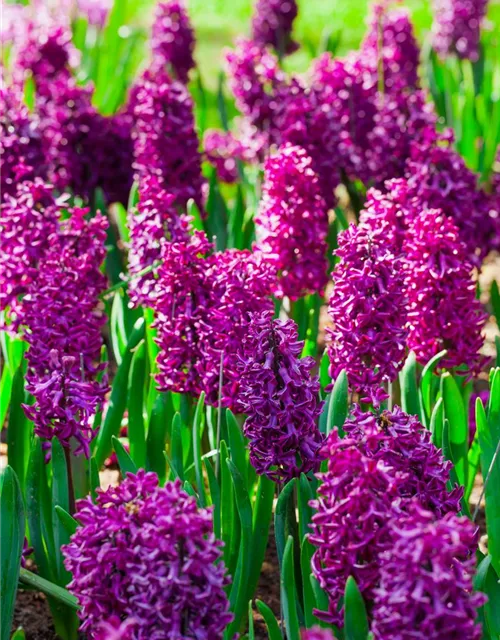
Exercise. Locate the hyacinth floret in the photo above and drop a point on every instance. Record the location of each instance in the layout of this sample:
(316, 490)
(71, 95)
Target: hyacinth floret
(165, 140)
(148, 554)
(426, 580)
(368, 309)
(62, 325)
(292, 223)
(223, 150)
(280, 398)
(457, 27)
(272, 24)
(172, 38)
(443, 311)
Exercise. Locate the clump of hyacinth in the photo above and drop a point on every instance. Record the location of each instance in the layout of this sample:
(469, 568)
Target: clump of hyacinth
(204, 304)
(280, 398)
(368, 310)
(172, 38)
(223, 150)
(165, 140)
(426, 580)
(350, 529)
(28, 224)
(272, 24)
(62, 323)
(292, 223)
(316, 633)
(457, 27)
(257, 82)
(148, 554)
(438, 177)
(154, 222)
(443, 312)
(390, 48)
(401, 443)
(112, 137)
(21, 155)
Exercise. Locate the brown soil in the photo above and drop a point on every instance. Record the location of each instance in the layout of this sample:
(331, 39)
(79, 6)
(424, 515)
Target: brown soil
(268, 588)
(32, 613)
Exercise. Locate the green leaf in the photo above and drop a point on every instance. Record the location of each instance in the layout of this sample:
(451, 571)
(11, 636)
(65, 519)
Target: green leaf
(12, 527)
(136, 428)
(237, 445)
(284, 512)
(18, 634)
(5, 394)
(215, 496)
(19, 430)
(161, 417)
(60, 496)
(289, 593)
(197, 429)
(118, 399)
(262, 515)
(426, 381)
(324, 376)
(409, 389)
(437, 422)
(49, 588)
(251, 632)
(306, 554)
(177, 460)
(67, 520)
(272, 625)
(229, 521)
(455, 413)
(355, 618)
(339, 405)
(125, 462)
(495, 301)
(95, 481)
(486, 580)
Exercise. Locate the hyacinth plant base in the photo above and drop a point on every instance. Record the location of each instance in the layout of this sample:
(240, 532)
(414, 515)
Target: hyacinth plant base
(250, 378)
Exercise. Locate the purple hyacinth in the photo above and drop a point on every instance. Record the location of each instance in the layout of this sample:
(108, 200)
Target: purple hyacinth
(368, 309)
(165, 140)
(457, 27)
(155, 221)
(95, 11)
(443, 312)
(292, 223)
(114, 155)
(438, 177)
(172, 38)
(223, 150)
(400, 442)
(115, 629)
(280, 398)
(317, 633)
(28, 222)
(63, 322)
(21, 156)
(272, 24)
(350, 523)
(426, 580)
(148, 554)
(204, 304)
(390, 47)
(257, 83)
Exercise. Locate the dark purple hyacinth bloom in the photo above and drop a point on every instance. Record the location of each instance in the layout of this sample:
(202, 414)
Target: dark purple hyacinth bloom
(292, 223)
(172, 38)
(368, 309)
(272, 24)
(403, 444)
(223, 150)
(204, 304)
(21, 156)
(62, 323)
(280, 398)
(426, 580)
(147, 555)
(350, 523)
(443, 312)
(28, 224)
(165, 140)
(154, 222)
(457, 27)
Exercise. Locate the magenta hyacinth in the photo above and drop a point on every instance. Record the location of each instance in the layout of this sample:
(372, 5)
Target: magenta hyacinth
(272, 24)
(280, 398)
(172, 38)
(154, 222)
(292, 223)
(426, 580)
(148, 555)
(457, 27)
(62, 323)
(443, 312)
(317, 633)
(368, 310)
(223, 150)
(165, 140)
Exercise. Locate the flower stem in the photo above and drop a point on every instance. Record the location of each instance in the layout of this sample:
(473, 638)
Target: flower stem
(71, 486)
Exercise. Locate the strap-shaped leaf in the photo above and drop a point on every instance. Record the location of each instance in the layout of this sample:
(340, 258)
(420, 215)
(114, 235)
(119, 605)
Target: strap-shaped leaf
(355, 618)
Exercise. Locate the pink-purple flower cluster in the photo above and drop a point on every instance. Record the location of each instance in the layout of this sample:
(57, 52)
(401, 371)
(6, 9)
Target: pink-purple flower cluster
(145, 558)
(368, 309)
(292, 223)
(280, 397)
(203, 306)
(172, 38)
(457, 27)
(272, 24)
(62, 323)
(426, 589)
(223, 150)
